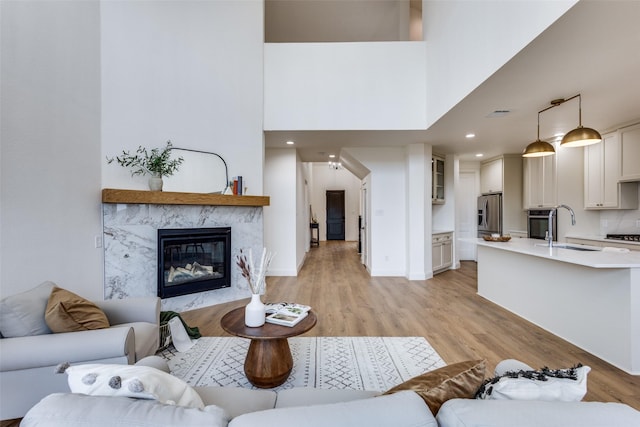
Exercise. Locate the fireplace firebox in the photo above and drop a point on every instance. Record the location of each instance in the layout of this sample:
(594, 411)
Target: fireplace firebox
(192, 260)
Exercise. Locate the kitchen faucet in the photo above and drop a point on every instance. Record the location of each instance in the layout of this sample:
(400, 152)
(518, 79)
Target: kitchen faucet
(550, 230)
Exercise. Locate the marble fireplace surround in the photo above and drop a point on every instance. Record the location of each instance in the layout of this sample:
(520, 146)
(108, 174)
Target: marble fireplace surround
(130, 222)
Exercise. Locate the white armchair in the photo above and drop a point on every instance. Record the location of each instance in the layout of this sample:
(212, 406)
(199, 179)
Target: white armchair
(27, 363)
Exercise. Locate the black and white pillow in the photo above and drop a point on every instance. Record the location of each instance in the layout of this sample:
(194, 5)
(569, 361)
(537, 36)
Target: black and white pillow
(566, 385)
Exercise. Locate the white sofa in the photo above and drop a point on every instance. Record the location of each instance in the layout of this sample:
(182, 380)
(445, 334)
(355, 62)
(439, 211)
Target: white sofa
(309, 407)
(27, 363)
(299, 407)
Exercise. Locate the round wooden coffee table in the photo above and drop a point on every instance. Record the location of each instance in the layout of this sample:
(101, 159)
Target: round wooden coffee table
(268, 362)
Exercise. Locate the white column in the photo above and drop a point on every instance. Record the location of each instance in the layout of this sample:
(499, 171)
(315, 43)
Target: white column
(418, 179)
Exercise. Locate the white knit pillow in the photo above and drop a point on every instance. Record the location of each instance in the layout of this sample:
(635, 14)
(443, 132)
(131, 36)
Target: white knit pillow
(521, 388)
(141, 382)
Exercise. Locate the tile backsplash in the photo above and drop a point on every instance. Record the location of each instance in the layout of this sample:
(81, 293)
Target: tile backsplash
(620, 221)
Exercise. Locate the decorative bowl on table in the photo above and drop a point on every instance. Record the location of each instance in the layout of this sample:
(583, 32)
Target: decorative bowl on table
(497, 239)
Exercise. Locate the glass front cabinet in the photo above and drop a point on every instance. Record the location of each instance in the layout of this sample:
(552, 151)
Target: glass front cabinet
(437, 171)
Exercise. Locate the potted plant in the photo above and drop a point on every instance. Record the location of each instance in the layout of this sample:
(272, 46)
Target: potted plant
(157, 163)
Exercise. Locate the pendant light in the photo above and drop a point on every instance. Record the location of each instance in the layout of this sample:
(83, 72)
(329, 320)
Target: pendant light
(539, 148)
(580, 136)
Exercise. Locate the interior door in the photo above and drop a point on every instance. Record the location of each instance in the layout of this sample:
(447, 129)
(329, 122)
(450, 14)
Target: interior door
(335, 215)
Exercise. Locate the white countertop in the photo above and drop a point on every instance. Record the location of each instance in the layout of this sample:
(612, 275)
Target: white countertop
(599, 238)
(441, 231)
(539, 248)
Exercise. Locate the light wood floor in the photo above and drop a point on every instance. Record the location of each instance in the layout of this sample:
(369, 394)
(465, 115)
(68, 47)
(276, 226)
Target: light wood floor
(445, 310)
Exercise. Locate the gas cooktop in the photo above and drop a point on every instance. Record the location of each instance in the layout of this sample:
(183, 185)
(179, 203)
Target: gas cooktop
(625, 237)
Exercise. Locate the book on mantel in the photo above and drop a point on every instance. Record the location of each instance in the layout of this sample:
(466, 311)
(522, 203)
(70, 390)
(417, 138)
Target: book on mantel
(286, 313)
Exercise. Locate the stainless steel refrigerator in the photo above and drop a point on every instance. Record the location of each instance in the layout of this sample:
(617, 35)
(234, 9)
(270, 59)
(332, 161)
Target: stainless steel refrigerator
(489, 214)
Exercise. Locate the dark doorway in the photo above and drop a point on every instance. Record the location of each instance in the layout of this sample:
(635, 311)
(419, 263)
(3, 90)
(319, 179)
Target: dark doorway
(335, 215)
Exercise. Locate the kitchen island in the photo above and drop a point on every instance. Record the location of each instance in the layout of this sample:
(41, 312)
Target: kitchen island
(589, 298)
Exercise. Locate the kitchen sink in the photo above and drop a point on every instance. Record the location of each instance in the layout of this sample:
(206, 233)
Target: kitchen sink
(571, 247)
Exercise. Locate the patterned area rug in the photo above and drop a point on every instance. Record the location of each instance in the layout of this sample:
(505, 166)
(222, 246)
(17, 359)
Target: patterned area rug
(357, 363)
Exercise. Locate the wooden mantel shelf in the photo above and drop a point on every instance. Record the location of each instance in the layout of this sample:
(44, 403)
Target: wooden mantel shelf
(110, 195)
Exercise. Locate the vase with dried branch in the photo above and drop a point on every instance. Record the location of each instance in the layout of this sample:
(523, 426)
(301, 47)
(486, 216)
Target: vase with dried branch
(254, 314)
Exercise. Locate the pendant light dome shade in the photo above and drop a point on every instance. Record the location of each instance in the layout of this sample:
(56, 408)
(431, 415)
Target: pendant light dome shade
(538, 149)
(581, 136)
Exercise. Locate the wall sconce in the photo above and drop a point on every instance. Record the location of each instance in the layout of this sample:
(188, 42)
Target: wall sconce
(578, 137)
(335, 166)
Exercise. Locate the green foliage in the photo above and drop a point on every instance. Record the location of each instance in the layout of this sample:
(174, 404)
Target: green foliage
(156, 162)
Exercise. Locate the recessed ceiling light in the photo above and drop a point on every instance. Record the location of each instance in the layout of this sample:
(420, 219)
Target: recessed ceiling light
(479, 155)
(290, 142)
(332, 156)
(470, 135)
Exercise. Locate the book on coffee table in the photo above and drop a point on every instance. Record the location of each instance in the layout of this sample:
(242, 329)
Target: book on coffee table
(286, 314)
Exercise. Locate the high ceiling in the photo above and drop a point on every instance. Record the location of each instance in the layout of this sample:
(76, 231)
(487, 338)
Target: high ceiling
(593, 50)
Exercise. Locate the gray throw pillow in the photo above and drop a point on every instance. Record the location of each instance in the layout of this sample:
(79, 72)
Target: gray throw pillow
(22, 314)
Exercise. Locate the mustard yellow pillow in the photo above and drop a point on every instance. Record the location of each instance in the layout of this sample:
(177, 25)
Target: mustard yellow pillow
(68, 312)
(460, 380)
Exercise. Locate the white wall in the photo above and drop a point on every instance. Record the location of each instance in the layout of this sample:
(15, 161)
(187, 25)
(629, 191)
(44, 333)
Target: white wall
(467, 41)
(335, 86)
(387, 211)
(303, 216)
(325, 178)
(50, 152)
(280, 221)
(418, 164)
(85, 79)
(188, 71)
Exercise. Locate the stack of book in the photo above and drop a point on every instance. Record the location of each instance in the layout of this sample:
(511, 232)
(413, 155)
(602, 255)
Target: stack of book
(236, 185)
(286, 313)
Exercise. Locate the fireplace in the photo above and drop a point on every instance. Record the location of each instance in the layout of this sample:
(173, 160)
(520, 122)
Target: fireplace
(192, 260)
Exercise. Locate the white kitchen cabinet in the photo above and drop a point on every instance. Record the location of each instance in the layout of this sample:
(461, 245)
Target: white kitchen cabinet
(442, 251)
(437, 171)
(539, 182)
(630, 153)
(491, 175)
(602, 163)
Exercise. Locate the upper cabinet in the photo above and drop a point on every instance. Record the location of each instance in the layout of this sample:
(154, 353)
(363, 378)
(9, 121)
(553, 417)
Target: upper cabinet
(539, 186)
(602, 167)
(630, 153)
(437, 171)
(491, 174)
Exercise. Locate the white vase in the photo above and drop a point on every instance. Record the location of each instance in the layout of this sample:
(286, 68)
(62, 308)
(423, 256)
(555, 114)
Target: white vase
(254, 314)
(155, 183)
